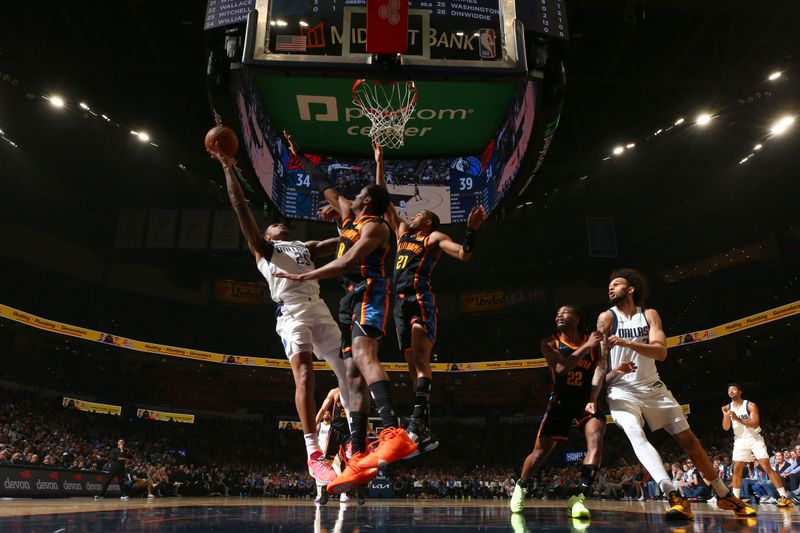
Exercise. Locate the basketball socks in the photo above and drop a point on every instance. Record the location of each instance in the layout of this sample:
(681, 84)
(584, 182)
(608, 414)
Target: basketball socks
(422, 398)
(587, 479)
(666, 486)
(720, 488)
(382, 396)
(782, 492)
(312, 446)
(736, 492)
(358, 431)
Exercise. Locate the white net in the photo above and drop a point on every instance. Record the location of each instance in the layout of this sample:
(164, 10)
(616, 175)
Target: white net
(388, 105)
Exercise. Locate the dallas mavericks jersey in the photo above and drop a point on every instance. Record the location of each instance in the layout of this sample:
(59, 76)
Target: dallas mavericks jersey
(637, 329)
(414, 265)
(740, 430)
(291, 257)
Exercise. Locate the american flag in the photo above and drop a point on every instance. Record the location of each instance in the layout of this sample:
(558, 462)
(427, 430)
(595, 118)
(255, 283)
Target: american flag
(290, 43)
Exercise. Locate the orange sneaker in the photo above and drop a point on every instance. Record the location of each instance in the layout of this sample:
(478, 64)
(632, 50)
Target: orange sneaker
(357, 473)
(392, 445)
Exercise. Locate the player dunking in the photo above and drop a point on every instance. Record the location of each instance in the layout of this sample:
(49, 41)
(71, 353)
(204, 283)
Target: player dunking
(635, 341)
(578, 370)
(419, 246)
(304, 322)
(360, 259)
(743, 416)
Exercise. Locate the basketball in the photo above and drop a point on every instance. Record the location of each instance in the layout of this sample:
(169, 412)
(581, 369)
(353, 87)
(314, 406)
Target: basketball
(226, 140)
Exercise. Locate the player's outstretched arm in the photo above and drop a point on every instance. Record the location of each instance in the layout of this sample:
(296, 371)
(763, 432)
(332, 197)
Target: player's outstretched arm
(324, 248)
(597, 380)
(247, 221)
(562, 364)
(319, 179)
(373, 236)
(391, 216)
(329, 399)
(656, 345)
(462, 252)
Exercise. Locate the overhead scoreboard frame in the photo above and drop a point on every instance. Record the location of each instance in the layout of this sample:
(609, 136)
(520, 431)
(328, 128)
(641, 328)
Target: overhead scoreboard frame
(510, 53)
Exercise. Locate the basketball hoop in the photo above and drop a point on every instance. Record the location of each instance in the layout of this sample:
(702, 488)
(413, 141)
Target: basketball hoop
(389, 105)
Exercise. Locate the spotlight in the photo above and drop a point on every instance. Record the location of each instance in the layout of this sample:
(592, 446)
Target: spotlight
(143, 136)
(775, 75)
(757, 147)
(629, 146)
(781, 125)
(56, 101)
(679, 121)
(703, 119)
(84, 106)
(460, 33)
(618, 150)
(304, 24)
(281, 23)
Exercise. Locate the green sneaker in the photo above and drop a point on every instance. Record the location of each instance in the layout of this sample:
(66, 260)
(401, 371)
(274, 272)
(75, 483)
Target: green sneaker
(576, 508)
(518, 523)
(517, 503)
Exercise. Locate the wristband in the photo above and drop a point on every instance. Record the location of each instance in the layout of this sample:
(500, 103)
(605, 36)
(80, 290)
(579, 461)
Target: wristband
(469, 240)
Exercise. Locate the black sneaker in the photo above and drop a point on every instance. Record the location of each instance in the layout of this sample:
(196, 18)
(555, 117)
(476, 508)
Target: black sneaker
(422, 435)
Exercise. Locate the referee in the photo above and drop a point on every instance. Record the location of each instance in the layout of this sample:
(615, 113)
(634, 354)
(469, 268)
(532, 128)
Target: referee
(119, 460)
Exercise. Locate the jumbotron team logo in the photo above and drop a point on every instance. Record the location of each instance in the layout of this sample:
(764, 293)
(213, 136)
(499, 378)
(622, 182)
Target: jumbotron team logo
(390, 11)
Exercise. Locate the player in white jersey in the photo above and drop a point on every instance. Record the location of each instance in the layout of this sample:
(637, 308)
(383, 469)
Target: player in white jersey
(304, 322)
(744, 418)
(634, 340)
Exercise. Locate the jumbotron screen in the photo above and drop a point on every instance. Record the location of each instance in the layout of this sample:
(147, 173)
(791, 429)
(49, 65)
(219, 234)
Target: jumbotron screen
(450, 186)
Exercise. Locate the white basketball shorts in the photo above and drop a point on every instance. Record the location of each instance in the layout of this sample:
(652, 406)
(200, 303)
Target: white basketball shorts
(308, 326)
(653, 403)
(745, 448)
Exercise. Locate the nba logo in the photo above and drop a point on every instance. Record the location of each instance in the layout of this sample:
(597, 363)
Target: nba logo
(486, 43)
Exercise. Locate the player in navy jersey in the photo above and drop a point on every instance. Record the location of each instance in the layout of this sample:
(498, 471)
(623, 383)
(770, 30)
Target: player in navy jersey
(363, 312)
(578, 369)
(419, 246)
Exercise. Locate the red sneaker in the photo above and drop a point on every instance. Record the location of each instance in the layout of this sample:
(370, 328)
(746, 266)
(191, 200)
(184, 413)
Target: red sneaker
(355, 474)
(392, 445)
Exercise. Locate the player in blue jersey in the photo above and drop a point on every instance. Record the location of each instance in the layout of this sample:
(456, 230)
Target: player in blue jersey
(419, 247)
(363, 313)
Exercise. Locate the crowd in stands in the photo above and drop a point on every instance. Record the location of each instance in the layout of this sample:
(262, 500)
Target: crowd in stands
(247, 459)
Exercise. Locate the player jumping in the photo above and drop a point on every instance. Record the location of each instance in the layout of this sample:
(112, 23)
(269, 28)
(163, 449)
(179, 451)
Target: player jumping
(419, 246)
(578, 370)
(360, 259)
(304, 322)
(635, 341)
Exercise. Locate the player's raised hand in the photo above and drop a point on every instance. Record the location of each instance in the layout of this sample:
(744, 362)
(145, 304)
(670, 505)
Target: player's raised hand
(293, 146)
(216, 153)
(476, 218)
(378, 149)
(626, 368)
(293, 277)
(726, 410)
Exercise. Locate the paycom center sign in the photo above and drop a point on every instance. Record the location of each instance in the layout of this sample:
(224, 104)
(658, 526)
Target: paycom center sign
(450, 118)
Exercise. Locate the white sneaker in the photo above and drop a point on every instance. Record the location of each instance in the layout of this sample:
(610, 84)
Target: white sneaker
(343, 497)
(712, 499)
(151, 495)
(123, 497)
(98, 497)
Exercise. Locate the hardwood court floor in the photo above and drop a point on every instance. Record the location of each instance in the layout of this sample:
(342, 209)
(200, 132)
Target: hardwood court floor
(421, 516)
